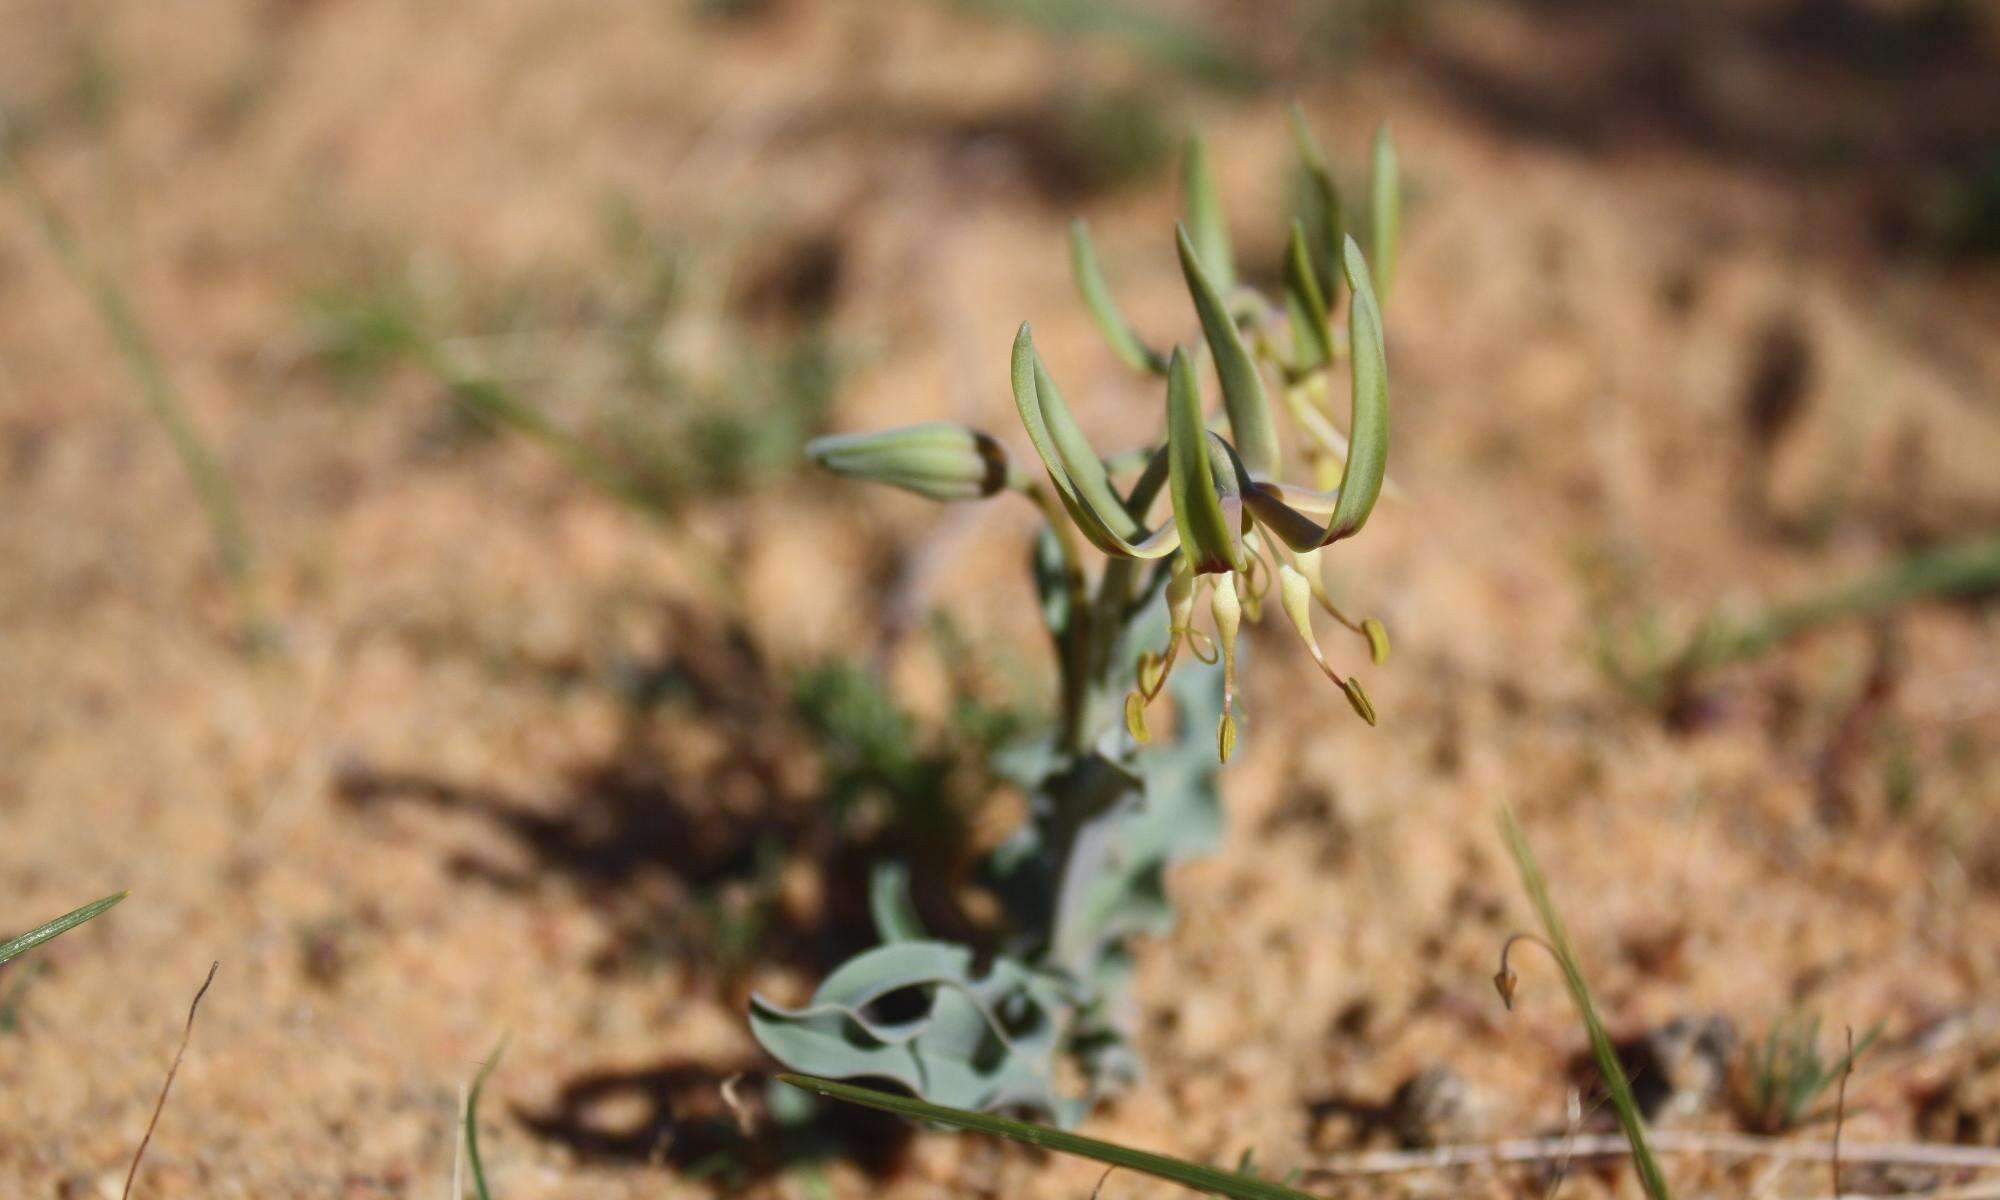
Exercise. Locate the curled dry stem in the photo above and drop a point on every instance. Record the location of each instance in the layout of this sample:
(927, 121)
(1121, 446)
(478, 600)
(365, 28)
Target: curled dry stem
(1504, 980)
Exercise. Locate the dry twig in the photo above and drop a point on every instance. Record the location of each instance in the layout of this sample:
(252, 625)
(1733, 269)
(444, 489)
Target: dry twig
(1728, 1145)
(168, 1084)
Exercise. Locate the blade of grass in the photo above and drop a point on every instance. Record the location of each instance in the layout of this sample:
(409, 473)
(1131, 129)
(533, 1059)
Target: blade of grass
(162, 400)
(1186, 47)
(472, 1122)
(1958, 569)
(1190, 1175)
(1622, 1103)
(56, 928)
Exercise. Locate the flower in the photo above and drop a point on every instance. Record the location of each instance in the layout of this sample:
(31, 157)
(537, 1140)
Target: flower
(939, 459)
(1234, 528)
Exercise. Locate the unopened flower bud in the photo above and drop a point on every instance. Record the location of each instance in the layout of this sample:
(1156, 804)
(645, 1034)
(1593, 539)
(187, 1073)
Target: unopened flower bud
(941, 460)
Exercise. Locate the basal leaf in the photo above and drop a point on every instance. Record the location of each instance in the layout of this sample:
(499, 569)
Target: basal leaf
(982, 1039)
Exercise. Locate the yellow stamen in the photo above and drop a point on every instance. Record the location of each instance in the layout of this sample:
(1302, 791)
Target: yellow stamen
(1296, 592)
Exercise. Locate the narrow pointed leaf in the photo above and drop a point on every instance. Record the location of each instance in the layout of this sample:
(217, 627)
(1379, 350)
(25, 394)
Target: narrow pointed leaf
(1205, 222)
(1623, 1105)
(1074, 468)
(472, 1154)
(15, 947)
(1319, 209)
(1208, 534)
(1125, 343)
(1250, 424)
(1212, 1180)
(1312, 338)
(1368, 433)
(1385, 201)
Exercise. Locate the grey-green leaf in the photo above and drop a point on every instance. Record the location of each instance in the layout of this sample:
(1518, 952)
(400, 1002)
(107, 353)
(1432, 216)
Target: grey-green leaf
(1385, 199)
(1125, 343)
(1250, 424)
(15, 947)
(1205, 222)
(959, 1049)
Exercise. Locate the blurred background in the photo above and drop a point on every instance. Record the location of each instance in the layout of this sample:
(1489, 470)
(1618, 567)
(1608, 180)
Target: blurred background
(413, 592)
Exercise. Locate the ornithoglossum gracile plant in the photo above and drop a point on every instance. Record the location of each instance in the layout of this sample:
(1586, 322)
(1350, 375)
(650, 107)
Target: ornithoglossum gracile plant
(1201, 515)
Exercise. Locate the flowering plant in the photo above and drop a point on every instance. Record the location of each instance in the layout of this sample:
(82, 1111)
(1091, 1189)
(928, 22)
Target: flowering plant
(1111, 810)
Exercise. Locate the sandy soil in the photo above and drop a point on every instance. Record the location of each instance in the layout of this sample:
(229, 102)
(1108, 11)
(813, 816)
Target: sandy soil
(429, 812)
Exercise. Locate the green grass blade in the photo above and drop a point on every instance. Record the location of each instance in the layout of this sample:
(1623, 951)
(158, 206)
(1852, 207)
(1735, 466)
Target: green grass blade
(162, 400)
(56, 928)
(1622, 1103)
(1211, 1180)
(472, 1122)
(1189, 48)
(1956, 569)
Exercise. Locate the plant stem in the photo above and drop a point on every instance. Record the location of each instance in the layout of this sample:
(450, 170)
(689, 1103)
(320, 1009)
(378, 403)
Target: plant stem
(1075, 646)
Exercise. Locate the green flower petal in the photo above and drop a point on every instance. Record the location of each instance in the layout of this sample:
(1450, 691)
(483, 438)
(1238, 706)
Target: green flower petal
(1074, 468)
(1305, 302)
(1125, 343)
(1243, 398)
(1204, 214)
(1208, 504)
